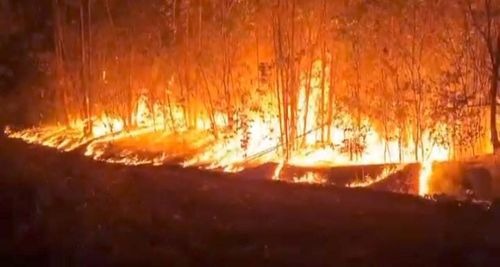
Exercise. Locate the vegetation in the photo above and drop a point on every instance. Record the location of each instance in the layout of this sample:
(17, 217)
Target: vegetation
(411, 68)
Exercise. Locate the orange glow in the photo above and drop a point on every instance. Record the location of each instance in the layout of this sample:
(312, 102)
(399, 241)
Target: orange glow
(368, 181)
(424, 178)
(436, 154)
(256, 142)
(309, 178)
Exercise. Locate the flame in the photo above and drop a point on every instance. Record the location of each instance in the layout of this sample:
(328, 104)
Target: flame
(277, 171)
(255, 140)
(436, 154)
(309, 178)
(386, 172)
(424, 178)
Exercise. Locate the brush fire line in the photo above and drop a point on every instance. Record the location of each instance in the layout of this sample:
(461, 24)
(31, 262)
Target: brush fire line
(232, 143)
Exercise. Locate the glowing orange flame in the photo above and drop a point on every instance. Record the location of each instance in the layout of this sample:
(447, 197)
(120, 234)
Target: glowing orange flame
(424, 178)
(256, 143)
(309, 178)
(368, 181)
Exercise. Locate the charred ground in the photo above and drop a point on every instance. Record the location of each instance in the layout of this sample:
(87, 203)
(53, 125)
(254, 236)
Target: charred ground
(63, 209)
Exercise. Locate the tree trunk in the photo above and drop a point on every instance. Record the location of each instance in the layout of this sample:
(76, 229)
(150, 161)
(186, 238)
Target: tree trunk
(60, 68)
(83, 69)
(330, 101)
(493, 103)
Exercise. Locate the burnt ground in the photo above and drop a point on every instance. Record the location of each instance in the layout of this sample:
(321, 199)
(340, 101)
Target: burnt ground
(61, 209)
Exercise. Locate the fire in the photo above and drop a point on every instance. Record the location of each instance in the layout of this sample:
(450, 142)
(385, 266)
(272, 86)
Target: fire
(277, 171)
(255, 138)
(387, 172)
(424, 178)
(436, 154)
(309, 178)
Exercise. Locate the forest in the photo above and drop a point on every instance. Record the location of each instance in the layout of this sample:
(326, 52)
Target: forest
(334, 78)
(249, 132)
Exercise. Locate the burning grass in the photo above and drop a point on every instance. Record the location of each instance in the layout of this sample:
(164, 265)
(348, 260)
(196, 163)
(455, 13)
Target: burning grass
(253, 136)
(200, 149)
